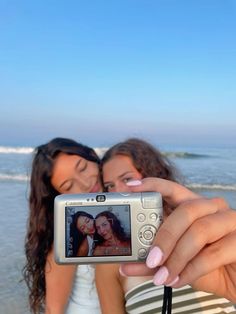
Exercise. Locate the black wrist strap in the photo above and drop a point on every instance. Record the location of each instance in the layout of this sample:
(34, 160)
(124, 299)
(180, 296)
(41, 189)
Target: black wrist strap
(167, 301)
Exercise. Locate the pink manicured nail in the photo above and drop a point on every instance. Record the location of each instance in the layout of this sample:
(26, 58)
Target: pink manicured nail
(173, 282)
(154, 257)
(161, 276)
(134, 183)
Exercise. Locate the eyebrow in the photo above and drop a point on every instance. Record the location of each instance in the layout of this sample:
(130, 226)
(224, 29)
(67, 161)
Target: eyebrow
(120, 176)
(76, 166)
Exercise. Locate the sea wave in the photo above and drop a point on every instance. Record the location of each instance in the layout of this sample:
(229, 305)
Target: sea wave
(28, 150)
(199, 186)
(183, 155)
(13, 177)
(170, 154)
(15, 150)
(226, 187)
(100, 151)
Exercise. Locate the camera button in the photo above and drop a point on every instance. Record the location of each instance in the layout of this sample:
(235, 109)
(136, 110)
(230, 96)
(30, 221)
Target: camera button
(153, 217)
(142, 253)
(148, 235)
(141, 217)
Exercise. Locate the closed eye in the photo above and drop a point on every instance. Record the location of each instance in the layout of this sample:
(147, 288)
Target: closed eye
(82, 166)
(67, 186)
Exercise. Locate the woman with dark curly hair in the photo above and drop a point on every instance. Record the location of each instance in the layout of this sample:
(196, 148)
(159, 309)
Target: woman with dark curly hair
(59, 166)
(112, 239)
(82, 230)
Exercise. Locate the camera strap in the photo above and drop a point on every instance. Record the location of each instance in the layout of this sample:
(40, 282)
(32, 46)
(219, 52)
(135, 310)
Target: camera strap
(167, 301)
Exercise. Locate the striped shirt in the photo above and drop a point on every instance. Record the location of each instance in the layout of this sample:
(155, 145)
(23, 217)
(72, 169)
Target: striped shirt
(147, 298)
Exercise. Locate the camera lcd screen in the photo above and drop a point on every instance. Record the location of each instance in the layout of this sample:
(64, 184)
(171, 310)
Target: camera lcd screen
(103, 230)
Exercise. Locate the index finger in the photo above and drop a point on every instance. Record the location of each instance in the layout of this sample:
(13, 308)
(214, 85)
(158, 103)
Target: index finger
(180, 220)
(173, 193)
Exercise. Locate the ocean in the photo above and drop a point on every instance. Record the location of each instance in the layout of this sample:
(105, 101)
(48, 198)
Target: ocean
(209, 171)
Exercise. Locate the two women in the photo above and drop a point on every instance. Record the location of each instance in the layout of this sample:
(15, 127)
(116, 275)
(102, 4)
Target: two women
(64, 166)
(99, 236)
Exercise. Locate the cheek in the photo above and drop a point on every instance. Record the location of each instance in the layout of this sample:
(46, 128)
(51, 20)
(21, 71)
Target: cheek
(108, 228)
(93, 169)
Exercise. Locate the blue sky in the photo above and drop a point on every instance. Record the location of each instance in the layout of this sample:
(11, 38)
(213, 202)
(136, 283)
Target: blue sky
(100, 71)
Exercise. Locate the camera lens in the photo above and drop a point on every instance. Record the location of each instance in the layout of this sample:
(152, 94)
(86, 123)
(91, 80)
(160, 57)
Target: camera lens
(100, 198)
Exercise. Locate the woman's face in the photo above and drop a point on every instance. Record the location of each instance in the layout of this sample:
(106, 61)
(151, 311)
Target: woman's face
(85, 225)
(74, 174)
(103, 227)
(117, 171)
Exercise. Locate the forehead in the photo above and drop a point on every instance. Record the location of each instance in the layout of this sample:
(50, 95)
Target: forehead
(101, 220)
(63, 167)
(82, 220)
(63, 163)
(118, 165)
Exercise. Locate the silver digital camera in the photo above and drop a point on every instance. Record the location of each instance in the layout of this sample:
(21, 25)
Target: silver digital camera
(105, 227)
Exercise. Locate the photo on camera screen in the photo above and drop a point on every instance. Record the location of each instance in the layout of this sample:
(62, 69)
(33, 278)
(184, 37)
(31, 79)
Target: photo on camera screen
(98, 231)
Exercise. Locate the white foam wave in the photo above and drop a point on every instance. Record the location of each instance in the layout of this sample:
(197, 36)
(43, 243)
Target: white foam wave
(15, 150)
(13, 177)
(100, 151)
(212, 186)
(28, 150)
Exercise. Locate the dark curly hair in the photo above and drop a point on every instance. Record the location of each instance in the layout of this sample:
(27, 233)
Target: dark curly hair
(39, 237)
(76, 235)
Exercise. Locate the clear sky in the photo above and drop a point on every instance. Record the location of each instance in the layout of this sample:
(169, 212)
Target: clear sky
(103, 70)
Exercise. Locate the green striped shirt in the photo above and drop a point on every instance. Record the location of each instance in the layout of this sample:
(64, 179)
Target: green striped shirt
(147, 298)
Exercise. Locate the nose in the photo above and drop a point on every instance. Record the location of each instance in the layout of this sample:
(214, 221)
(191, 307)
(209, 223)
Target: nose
(101, 231)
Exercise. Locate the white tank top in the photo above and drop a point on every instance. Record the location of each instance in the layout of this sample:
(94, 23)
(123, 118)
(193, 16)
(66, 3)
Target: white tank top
(84, 298)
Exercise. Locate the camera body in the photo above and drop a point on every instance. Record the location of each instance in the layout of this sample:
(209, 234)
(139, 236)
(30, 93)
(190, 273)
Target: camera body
(119, 227)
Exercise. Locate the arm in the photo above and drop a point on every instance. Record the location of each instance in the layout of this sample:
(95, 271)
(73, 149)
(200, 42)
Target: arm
(195, 244)
(59, 280)
(109, 288)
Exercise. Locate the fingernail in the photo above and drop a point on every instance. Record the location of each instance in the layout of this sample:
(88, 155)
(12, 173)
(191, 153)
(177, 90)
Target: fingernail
(154, 257)
(121, 272)
(134, 183)
(161, 276)
(173, 282)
